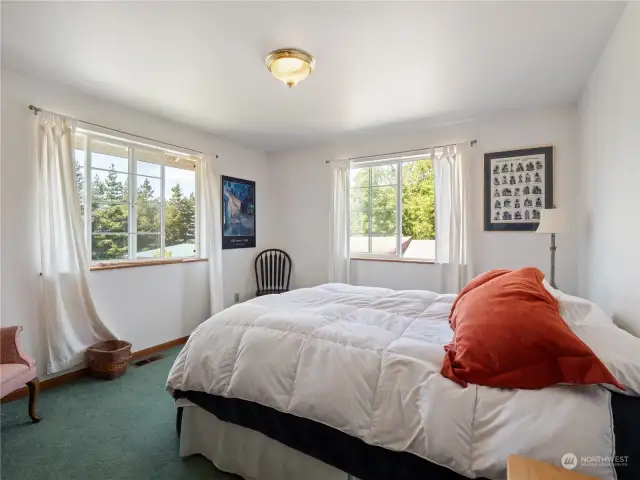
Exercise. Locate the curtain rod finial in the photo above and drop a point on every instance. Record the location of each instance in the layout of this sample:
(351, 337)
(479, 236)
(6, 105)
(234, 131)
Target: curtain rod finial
(473, 142)
(35, 109)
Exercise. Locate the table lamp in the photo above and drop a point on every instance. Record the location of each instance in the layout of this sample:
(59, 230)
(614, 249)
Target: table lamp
(553, 220)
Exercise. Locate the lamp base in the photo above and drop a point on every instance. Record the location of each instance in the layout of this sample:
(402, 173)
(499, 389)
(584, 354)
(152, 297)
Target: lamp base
(553, 249)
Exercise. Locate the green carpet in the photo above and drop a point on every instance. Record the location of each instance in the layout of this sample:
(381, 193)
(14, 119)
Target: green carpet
(98, 429)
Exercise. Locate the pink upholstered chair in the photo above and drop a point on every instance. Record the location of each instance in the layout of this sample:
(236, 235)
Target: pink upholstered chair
(17, 368)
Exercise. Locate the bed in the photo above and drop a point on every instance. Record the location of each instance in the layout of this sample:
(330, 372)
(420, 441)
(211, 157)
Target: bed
(337, 381)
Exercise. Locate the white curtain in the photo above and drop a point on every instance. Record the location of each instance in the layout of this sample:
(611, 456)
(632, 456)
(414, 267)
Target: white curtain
(210, 229)
(339, 264)
(452, 218)
(71, 321)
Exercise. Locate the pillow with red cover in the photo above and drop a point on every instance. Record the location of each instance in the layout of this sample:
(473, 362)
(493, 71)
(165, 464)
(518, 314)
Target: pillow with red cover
(508, 333)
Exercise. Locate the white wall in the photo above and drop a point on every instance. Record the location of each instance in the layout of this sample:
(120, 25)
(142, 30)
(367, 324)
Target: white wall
(301, 183)
(146, 305)
(610, 132)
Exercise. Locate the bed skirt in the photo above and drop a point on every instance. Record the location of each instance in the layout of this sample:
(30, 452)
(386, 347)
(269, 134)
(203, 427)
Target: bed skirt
(333, 447)
(245, 452)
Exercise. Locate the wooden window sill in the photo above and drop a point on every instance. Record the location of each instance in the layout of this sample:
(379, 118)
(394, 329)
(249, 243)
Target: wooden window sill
(393, 260)
(146, 263)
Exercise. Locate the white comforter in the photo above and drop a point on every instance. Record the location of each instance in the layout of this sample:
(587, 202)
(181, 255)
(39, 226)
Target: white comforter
(366, 361)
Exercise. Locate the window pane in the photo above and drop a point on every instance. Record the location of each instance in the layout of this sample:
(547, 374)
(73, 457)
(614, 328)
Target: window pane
(147, 189)
(109, 156)
(80, 182)
(383, 222)
(148, 245)
(110, 218)
(147, 219)
(418, 209)
(360, 222)
(359, 244)
(182, 250)
(384, 245)
(359, 177)
(109, 247)
(384, 175)
(384, 198)
(359, 199)
(180, 207)
(383, 210)
(110, 186)
(151, 169)
(179, 177)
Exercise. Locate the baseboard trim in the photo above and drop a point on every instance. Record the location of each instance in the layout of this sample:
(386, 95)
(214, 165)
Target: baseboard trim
(77, 374)
(158, 348)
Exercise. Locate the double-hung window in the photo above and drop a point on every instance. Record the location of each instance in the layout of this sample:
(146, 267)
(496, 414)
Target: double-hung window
(392, 209)
(137, 201)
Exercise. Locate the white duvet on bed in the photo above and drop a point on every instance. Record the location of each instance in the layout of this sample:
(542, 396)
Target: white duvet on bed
(366, 361)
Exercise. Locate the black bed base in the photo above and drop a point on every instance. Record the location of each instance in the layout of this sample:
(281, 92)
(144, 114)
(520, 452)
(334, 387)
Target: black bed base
(626, 425)
(368, 462)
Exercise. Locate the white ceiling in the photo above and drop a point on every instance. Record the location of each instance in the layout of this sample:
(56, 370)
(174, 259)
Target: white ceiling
(378, 64)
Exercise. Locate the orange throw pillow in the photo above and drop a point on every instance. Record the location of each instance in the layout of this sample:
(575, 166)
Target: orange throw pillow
(508, 333)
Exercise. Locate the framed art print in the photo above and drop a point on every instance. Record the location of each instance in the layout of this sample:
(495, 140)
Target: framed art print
(238, 213)
(518, 185)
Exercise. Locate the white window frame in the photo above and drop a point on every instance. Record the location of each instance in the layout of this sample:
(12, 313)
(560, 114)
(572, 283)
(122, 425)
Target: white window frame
(132, 225)
(399, 162)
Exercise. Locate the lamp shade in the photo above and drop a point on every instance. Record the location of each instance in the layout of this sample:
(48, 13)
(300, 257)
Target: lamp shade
(553, 220)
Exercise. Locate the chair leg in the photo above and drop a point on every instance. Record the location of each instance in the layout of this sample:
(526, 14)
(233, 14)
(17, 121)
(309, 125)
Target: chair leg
(34, 390)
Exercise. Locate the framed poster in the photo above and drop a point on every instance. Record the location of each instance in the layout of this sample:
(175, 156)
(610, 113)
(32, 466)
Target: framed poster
(238, 213)
(518, 185)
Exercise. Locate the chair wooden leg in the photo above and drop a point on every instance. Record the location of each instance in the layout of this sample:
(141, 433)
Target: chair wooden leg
(34, 390)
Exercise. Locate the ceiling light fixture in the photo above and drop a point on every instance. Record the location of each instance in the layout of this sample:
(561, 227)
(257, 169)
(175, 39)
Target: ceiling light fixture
(290, 65)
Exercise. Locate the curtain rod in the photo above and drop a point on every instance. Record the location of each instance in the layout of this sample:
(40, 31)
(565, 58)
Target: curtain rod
(37, 110)
(470, 142)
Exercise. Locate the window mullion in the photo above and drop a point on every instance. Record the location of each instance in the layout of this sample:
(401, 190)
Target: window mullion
(399, 210)
(162, 219)
(133, 224)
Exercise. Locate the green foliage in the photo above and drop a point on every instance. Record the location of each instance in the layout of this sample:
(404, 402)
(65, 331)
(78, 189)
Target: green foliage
(180, 213)
(167, 253)
(148, 208)
(378, 186)
(110, 216)
(382, 194)
(418, 200)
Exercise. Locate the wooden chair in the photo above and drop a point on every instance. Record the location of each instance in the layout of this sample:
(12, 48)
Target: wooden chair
(273, 272)
(17, 369)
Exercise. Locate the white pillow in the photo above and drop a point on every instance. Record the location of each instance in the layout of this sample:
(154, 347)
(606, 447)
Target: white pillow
(616, 348)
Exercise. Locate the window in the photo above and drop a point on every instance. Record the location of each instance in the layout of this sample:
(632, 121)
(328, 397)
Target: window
(137, 201)
(393, 209)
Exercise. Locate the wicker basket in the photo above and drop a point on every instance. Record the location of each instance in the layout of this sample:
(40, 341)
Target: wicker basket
(108, 359)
